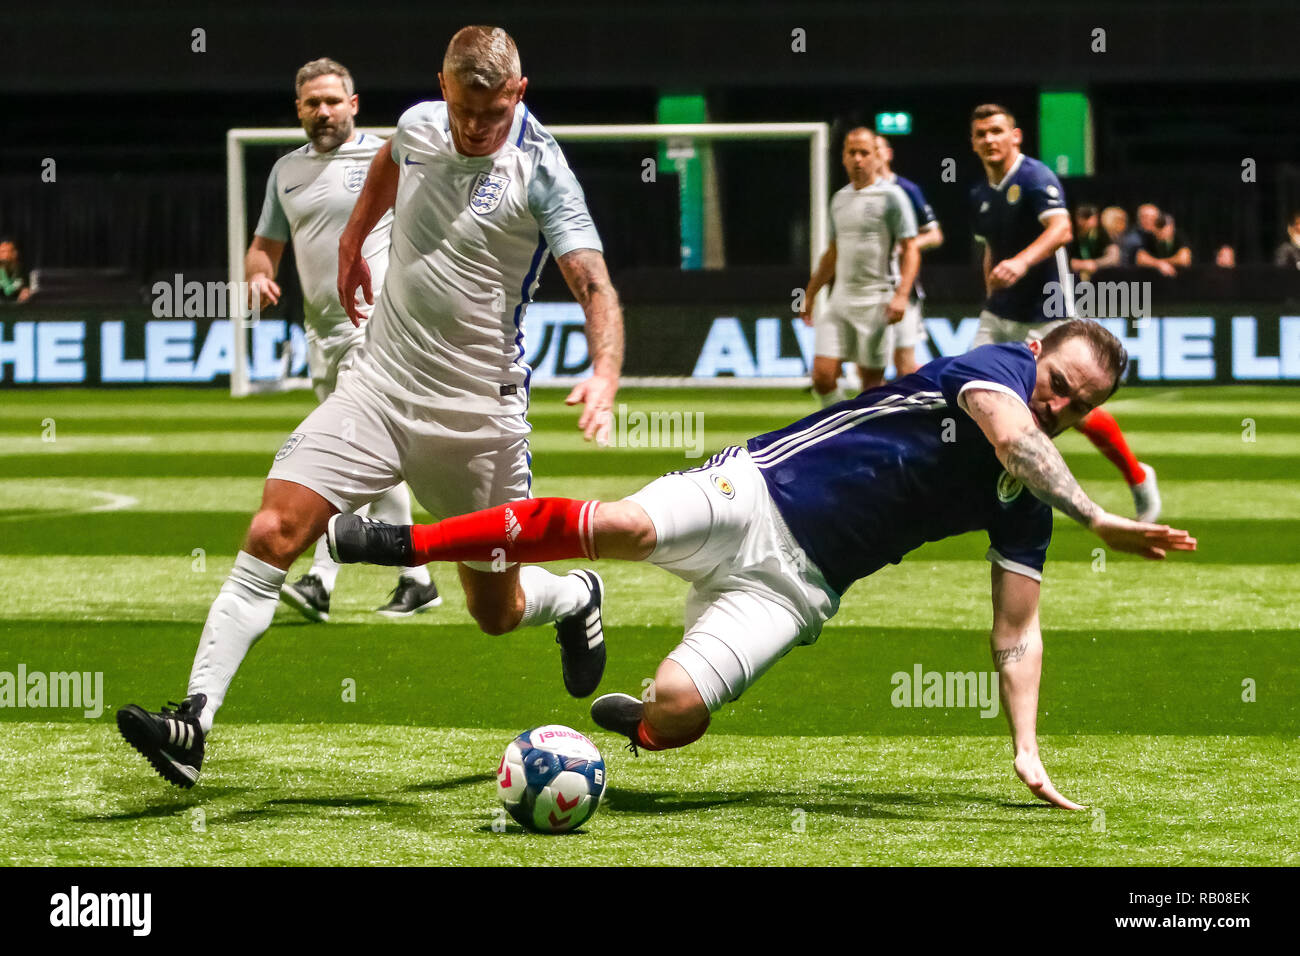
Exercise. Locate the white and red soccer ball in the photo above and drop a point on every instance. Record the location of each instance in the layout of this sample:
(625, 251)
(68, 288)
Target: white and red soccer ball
(551, 778)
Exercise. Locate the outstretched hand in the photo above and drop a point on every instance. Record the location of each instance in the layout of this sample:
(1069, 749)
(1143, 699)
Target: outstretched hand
(596, 395)
(1151, 541)
(1029, 768)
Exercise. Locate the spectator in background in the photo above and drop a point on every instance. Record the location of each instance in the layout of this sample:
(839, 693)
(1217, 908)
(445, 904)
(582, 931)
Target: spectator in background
(1287, 255)
(1226, 257)
(1091, 248)
(1135, 238)
(1165, 249)
(15, 282)
(1115, 221)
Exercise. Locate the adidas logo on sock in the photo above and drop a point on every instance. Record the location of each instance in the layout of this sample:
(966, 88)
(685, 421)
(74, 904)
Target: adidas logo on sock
(513, 527)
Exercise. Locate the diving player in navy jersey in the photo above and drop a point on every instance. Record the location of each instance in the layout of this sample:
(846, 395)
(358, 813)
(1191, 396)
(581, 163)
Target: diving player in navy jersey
(772, 534)
(1021, 219)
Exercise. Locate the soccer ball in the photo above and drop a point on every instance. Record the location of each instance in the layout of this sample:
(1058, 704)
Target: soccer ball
(551, 779)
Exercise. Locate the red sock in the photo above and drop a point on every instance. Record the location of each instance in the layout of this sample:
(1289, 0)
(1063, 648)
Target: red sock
(535, 529)
(1103, 431)
(650, 740)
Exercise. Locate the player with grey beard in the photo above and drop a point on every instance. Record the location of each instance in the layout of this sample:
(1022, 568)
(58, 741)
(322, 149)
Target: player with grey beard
(309, 196)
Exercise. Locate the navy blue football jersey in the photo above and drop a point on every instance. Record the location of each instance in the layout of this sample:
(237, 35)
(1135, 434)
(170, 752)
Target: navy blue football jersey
(1010, 216)
(925, 218)
(863, 482)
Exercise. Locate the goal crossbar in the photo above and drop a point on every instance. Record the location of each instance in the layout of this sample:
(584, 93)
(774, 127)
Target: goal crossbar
(817, 135)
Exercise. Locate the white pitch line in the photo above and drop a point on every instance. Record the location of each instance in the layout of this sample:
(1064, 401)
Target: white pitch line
(113, 501)
(109, 501)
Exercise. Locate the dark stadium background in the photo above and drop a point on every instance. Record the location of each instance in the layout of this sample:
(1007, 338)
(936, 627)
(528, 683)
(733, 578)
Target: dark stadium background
(1181, 96)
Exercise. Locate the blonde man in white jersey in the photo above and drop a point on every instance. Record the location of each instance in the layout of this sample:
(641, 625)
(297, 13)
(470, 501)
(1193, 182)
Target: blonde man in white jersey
(869, 219)
(480, 194)
(309, 197)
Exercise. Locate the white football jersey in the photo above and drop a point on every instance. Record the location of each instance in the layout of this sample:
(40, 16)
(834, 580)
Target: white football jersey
(865, 224)
(309, 197)
(470, 237)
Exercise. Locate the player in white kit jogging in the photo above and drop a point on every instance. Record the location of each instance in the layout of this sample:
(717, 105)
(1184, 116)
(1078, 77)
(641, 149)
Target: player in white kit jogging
(869, 219)
(309, 197)
(480, 194)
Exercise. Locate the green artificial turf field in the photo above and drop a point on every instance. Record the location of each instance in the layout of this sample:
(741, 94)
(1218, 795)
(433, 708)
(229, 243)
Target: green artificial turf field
(1170, 700)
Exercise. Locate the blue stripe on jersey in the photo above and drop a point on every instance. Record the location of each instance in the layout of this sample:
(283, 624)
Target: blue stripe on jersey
(863, 482)
(524, 299)
(523, 127)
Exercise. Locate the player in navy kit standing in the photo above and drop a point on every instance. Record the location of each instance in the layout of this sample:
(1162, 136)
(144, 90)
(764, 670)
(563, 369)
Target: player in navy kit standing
(1021, 219)
(929, 235)
(772, 534)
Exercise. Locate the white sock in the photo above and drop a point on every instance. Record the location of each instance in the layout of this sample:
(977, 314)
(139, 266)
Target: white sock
(394, 507)
(549, 597)
(323, 566)
(239, 616)
(830, 398)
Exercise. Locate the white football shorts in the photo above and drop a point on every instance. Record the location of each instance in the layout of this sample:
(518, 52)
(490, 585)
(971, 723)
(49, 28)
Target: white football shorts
(854, 333)
(994, 330)
(358, 443)
(754, 593)
(908, 331)
(327, 357)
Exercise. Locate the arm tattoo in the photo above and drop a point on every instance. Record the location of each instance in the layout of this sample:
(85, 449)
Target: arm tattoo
(1011, 654)
(1033, 459)
(585, 272)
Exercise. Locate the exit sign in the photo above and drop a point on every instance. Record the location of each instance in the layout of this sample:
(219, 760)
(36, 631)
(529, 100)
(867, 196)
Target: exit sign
(893, 124)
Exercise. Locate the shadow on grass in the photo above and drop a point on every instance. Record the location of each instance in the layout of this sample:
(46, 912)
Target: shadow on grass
(174, 803)
(168, 803)
(437, 786)
(895, 806)
(271, 810)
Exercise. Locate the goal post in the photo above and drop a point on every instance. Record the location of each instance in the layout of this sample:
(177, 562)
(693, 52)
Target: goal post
(817, 136)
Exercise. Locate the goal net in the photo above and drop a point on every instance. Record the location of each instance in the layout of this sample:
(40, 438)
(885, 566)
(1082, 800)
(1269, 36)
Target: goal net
(791, 158)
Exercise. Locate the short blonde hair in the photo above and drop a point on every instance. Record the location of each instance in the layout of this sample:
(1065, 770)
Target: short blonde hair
(481, 57)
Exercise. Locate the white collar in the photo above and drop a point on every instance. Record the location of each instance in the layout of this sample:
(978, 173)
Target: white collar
(1010, 172)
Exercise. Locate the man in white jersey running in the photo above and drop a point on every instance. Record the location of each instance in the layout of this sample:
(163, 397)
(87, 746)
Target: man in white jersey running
(480, 194)
(868, 220)
(309, 196)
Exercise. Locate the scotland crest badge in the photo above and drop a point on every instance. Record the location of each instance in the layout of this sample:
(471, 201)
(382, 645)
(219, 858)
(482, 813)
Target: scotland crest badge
(486, 193)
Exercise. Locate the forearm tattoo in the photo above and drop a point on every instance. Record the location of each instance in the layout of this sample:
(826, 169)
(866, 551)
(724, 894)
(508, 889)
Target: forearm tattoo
(588, 279)
(1010, 655)
(1033, 459)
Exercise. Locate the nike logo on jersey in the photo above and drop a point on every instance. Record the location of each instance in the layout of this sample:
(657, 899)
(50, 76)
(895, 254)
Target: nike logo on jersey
(413, 162)
(289, 189)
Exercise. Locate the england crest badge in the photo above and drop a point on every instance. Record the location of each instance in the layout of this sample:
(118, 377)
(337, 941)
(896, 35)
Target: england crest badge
(486, 193)
(289, 445)
(354, 178)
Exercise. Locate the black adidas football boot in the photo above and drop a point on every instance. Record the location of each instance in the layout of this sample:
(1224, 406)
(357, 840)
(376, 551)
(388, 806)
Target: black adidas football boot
(171, 740)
